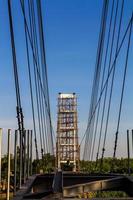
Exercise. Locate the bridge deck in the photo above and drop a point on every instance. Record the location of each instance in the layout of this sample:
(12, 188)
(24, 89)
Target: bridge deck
(40, 186)
(25, 188)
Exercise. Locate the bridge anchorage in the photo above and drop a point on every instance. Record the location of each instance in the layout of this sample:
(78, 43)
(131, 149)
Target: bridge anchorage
(71, 164)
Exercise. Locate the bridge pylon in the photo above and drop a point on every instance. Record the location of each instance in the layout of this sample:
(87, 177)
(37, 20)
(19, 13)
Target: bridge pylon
(67, 146)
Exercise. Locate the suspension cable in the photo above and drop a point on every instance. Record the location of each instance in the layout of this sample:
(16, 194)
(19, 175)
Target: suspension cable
(122, 93)
(111, 90)
(90, 128)
(106, 89)
(103, 76)
(35, 78)
(43, 60)
(43, 121)
(31, 11)
(39, 76)
(18, 99)
(31, 91)
(100, 96)
(31, 44)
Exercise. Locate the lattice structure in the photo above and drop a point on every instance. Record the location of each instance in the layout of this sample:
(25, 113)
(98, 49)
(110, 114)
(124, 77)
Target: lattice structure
(67, 149)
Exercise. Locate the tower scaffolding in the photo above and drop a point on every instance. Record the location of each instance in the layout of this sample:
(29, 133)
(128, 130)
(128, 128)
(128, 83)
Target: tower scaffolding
(67, 146)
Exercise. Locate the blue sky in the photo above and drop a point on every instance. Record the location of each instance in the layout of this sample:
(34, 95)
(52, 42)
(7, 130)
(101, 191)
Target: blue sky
(71, 36)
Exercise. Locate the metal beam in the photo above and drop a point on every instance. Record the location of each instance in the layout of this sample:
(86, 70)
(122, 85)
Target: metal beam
(101, 185)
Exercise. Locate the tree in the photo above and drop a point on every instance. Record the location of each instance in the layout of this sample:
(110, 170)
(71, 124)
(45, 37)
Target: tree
(120, 166)
(47, 164)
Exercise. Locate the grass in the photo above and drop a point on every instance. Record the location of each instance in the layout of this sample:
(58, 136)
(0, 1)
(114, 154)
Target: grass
(103, 194)
(3, 196)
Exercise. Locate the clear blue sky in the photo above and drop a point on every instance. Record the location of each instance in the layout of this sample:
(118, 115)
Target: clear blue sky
(71, 36)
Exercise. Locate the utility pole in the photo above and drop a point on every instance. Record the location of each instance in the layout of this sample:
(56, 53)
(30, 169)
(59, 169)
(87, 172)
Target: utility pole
(31, 153)
(28, 161)
(20, 157)
(132, 140)
(8, 153)
(128, 152)
(15, 159)
(0, 152)
(24, 156)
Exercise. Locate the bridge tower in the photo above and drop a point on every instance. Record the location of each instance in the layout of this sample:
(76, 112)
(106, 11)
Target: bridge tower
(67, 146)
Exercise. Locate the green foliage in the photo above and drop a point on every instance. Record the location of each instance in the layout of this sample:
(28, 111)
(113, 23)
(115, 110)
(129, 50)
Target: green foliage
(46, 164)
(103, 194)
(120, 166)
(111, 194)
(4, 165)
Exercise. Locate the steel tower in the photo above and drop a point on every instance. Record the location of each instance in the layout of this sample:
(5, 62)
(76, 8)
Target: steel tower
(67, 146)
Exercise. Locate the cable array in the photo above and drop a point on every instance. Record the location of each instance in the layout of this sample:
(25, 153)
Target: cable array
(37, 75)
(101, 99)
(34, 33)
(90, 127)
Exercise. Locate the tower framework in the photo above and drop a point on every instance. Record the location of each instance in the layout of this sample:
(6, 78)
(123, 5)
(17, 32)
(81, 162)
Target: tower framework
(67, 149)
